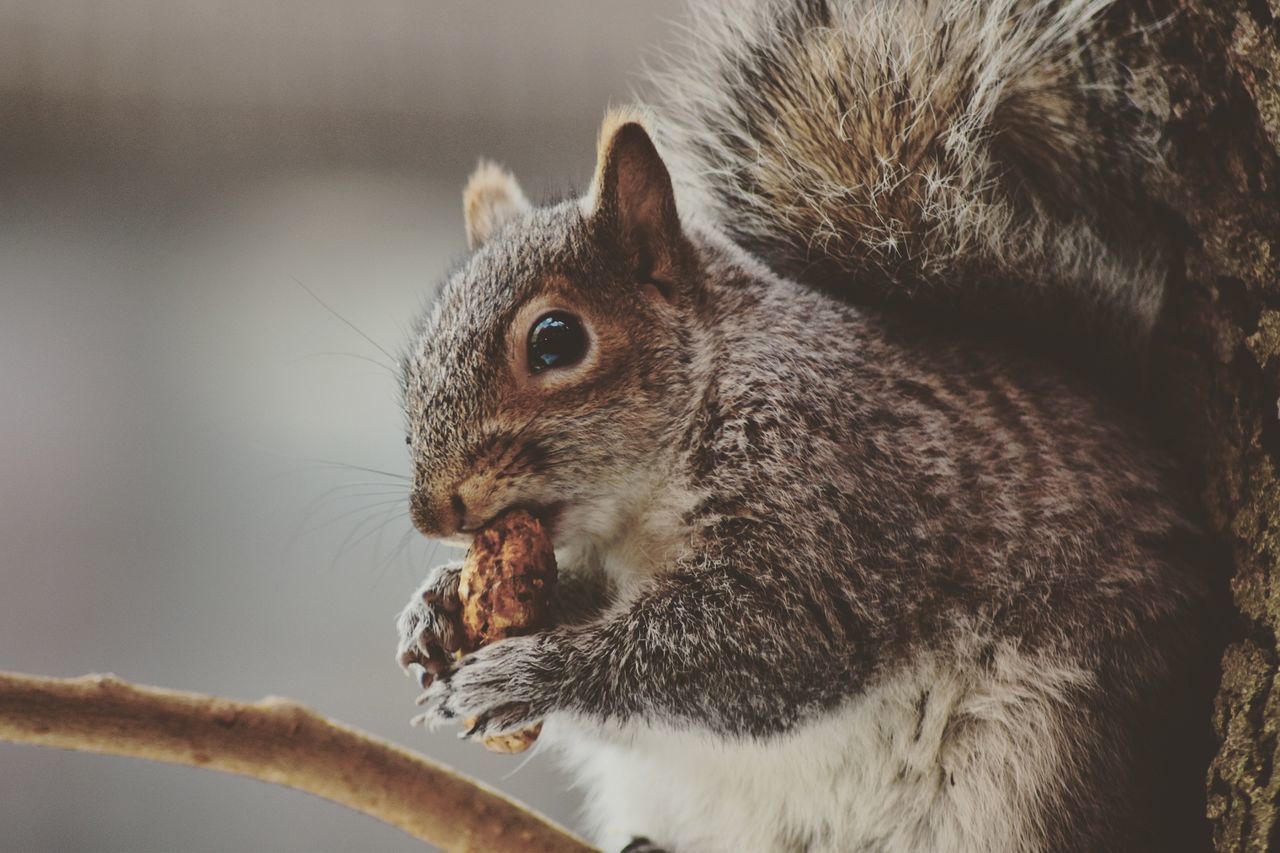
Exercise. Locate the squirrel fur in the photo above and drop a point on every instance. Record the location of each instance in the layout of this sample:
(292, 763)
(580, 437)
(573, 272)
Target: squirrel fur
(840, 570)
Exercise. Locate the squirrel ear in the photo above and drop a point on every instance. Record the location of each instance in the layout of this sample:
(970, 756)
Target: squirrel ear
(634, 201)
(492, 197)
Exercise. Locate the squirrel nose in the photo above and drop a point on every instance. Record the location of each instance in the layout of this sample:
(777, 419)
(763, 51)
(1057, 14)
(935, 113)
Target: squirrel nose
(437, 517)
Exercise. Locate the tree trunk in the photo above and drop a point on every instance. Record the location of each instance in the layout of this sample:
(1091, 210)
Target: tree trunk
(1219, 363)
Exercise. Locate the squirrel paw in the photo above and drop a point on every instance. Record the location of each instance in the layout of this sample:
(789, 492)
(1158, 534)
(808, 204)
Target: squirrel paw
(430, 626)
(500, 689)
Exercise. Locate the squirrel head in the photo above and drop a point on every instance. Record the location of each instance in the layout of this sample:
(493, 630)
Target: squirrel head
(554, 371)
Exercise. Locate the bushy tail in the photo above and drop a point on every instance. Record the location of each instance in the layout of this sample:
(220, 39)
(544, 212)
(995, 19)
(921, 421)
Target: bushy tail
(981, 155)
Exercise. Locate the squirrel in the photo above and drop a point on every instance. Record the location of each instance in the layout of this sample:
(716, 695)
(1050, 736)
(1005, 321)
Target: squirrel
(857, 551)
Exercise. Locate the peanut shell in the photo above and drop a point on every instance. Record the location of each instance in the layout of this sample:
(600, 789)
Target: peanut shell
(505, 587)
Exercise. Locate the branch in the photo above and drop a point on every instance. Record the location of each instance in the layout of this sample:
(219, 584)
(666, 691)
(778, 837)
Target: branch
(275, 740)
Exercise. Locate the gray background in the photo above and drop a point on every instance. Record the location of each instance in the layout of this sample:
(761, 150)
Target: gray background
(175, 409)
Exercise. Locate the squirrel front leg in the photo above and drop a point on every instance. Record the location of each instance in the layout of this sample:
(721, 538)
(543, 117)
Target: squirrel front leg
(739, 650)
(430, 627)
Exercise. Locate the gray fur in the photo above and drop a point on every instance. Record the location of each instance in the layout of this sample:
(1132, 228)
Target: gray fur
(861, 580)
(981, 156)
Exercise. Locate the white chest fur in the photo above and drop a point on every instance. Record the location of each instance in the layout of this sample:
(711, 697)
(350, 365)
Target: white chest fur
(951, 757)
(630, 537)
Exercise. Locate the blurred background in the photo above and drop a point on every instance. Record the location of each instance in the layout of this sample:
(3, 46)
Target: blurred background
(201, 465)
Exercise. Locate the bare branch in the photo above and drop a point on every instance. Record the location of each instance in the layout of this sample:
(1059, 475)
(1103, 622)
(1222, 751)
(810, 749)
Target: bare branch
(275, 740)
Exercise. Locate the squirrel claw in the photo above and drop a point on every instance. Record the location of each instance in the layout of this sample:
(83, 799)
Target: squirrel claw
(418, 673)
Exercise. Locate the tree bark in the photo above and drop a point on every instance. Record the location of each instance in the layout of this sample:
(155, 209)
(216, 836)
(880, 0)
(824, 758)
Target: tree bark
(1218, 370)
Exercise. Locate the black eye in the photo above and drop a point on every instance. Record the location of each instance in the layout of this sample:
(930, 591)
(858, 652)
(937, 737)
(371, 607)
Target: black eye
(556, 340)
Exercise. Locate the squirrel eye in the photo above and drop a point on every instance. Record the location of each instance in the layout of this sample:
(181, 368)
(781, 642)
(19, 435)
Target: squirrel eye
(556, 340)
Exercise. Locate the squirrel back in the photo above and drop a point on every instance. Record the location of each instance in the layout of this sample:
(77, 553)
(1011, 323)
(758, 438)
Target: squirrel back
(971, 158)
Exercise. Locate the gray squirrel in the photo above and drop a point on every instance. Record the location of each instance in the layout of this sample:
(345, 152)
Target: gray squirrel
(859, 549)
